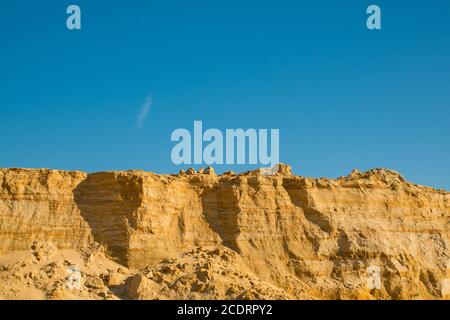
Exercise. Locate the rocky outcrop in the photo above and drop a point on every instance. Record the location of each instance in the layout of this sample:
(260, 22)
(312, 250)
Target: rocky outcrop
(367, 235)
(40, 205)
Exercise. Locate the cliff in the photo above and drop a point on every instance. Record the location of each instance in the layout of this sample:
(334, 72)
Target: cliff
(198, 235)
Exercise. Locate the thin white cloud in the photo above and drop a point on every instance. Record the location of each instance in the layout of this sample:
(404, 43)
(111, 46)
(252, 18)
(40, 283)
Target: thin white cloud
(144, 112)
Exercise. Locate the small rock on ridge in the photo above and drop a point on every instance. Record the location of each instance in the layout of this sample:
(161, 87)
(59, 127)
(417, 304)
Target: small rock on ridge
(190, 171)
(284, 169)
(210, 171)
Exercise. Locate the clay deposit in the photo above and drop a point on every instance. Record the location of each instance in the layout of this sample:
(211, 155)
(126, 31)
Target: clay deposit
(199, 235)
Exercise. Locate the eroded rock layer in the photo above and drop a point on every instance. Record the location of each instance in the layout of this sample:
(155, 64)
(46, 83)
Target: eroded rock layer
(369, 235)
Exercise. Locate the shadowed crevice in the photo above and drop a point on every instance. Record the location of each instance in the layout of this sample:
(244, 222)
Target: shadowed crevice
(108, 202)
(299, 197)
(220, 209)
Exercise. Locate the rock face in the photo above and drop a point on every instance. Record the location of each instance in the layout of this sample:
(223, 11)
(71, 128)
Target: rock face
(40, 205)
(199, 235)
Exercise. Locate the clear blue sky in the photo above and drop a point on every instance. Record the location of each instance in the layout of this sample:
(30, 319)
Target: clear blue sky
(342, 96)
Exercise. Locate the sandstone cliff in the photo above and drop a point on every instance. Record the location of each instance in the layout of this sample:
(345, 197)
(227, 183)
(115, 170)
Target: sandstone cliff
(140, 235)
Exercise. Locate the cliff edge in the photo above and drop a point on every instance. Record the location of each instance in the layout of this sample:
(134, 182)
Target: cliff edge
(199, 235)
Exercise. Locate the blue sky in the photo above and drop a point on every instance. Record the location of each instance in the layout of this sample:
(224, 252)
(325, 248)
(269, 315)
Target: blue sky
(342, 96)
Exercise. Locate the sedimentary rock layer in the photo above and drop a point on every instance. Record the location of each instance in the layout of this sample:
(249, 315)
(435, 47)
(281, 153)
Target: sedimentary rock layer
(300, 237)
